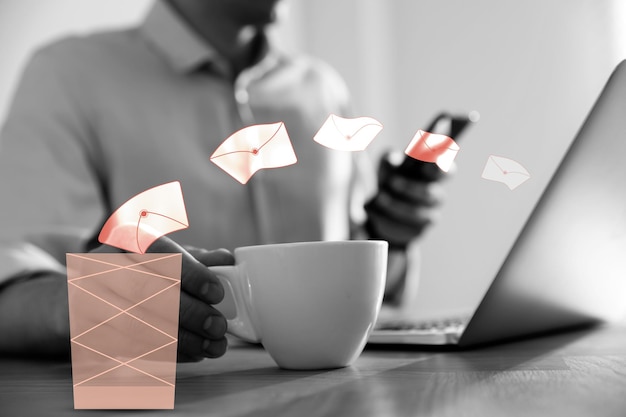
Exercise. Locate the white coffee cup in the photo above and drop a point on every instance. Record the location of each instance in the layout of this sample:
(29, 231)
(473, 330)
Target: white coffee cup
(312, 305)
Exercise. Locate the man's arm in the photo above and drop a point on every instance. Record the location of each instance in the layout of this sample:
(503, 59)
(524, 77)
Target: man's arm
(35, 316)
(51, 203)
(34, 309)
(50, 187)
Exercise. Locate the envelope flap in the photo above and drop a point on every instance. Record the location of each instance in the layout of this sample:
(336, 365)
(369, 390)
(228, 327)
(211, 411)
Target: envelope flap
(348, 128)
(345, 134)
(508, 166)
(437, 142)
(250, 139)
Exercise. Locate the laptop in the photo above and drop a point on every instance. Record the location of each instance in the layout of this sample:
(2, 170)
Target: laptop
(567, 267)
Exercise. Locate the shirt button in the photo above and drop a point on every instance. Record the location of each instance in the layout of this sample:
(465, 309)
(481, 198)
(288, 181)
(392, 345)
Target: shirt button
(242, 96)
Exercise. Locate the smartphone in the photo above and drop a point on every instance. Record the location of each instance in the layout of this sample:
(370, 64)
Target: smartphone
(444, 123)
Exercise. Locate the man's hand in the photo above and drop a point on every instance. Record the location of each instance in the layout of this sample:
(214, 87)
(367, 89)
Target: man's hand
(404, 206)
(34, 317)
(202, 328)
(34, 310)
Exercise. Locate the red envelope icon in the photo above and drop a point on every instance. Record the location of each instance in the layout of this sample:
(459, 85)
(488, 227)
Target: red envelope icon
(146, 217)
(433, 147)
(348, 134)
(253, 148)
(507, 171)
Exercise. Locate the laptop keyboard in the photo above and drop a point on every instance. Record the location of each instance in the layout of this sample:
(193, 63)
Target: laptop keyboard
(452, 324)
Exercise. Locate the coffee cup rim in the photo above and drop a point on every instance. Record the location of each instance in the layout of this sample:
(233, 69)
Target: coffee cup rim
(313, 243)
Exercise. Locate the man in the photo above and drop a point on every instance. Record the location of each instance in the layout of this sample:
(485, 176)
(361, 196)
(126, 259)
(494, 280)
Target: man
(96, 120)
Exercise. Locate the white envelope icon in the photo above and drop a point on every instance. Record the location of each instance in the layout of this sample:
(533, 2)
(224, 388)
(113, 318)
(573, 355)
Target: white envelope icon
(507, 171)
(347, 134)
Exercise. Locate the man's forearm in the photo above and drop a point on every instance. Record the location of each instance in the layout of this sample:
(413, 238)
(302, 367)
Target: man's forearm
(34, 317)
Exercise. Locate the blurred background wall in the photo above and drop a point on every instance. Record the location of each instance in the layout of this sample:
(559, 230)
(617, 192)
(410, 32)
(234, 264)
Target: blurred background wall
(532, 69)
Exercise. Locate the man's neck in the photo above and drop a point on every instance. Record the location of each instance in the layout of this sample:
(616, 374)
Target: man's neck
(235, 43)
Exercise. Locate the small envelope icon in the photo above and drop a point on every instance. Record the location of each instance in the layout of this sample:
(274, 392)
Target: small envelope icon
(146, 217)
(507, 171)
(433, 147)
(253, 148)
(348, 134)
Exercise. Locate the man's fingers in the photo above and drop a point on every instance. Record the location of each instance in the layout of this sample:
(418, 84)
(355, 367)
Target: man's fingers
(211, 257)
(201, 318)
(196, 278)
(397, 234)
(192, 347)
(428, 194)
(421, 171)
(202, 330)
(182, 357)
(397, 221)
(105, 249)
(401, 212)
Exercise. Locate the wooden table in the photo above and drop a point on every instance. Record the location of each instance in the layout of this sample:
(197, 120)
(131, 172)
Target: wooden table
(581, 373)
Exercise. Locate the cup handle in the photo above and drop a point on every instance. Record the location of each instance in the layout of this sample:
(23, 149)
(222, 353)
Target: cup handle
(234, 306)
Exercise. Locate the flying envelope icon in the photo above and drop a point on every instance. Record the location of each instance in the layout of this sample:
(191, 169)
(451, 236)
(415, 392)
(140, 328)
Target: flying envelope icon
(253, 148)
(507, 171)
(348, 134)
(136, 224)
(433, 147)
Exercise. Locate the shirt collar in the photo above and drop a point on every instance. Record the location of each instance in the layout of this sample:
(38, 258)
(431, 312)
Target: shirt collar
(181, 46)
